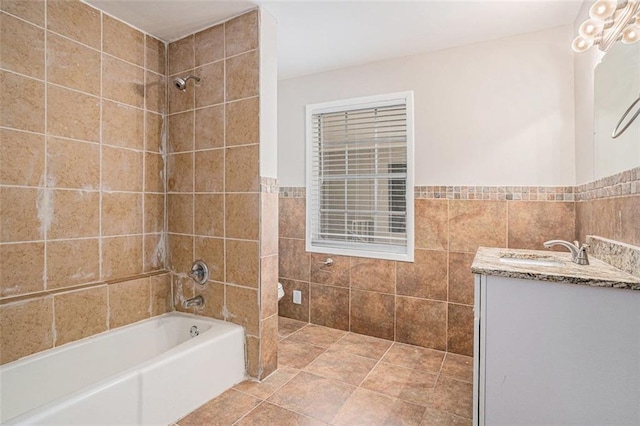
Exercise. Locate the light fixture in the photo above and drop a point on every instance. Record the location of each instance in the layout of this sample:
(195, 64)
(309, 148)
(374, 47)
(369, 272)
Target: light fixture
(610, 21)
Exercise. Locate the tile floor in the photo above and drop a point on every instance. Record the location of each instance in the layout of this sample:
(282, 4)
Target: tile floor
(328, 376)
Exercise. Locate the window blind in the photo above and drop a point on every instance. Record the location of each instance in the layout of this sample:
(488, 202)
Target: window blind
(358, 188)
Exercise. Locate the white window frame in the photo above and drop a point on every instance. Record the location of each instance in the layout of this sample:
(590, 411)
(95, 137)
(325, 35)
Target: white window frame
(341, 248)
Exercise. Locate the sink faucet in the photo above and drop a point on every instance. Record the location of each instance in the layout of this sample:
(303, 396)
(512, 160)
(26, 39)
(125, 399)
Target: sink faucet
(194, 301)
(578, 252)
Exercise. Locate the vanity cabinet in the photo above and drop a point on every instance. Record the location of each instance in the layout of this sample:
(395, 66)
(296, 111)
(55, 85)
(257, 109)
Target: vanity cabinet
(553, 353)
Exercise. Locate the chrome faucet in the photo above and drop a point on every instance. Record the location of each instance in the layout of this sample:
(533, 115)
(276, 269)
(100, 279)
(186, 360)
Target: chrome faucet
(578, 252)
(194, 301)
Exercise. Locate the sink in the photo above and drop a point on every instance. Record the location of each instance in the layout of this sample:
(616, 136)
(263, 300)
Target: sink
(530, 260)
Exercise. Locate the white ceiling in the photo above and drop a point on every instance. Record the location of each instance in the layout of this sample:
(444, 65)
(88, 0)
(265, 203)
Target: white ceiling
(316, 36)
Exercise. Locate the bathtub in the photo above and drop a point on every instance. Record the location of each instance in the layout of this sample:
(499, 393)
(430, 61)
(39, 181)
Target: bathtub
(150, 372)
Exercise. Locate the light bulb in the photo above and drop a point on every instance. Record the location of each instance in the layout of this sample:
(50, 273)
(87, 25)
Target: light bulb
(631, 34)
(602, 9)
(590, 28)
(581, 45)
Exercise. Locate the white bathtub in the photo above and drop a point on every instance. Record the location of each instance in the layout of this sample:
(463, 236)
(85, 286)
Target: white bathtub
(150, 372)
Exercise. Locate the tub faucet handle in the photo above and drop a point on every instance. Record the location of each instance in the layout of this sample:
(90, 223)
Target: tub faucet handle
(199, 272)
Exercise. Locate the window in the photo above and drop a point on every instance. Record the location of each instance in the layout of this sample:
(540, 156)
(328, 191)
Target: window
(360, 177)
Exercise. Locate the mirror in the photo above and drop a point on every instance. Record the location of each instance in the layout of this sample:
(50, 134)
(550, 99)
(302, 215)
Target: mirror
(617, 86)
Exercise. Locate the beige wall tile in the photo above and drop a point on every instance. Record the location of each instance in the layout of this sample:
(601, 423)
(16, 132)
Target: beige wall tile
(431, 224)
(21, 103)
(122, 125)
(121, 257)
(286, 307)
(180, 213)
(209, 128)
(211, 251)
(27, 328)
(21, 47)
(243, 122)
(242, 76)
(241, 33)
(242, 263)
(160, 294)
(72, 65)
(242, 216)
(179, 100)
(80, 314)
(122, 82)
(183, 289)
(30, 10)
(181, 55)
(372, 314)
(180, 172)
(425, 277)
(22, 158)
(295, 262)
(75, 20)
(292, 217)
(460, 329)
(153, 172)
(213, 294)
(268, 286)
(122, 41)
(421, 322)
(155, 54)
(242, 304)
(72, 262)
(337, 274)
(63, 118)
(121, 169)
(209, 220)
(329, 306)
(180, 132)
(373, 274)
(72, 164)
(153, 213)
(129, 301)
(460, 278)
(154, 252)
(180, 252)
(531, 223)
(209, 171)
(477, 223)
(155, 92)
(153, 132)
(19, 215)
(269, 346)
(209, 45)
(242, 169)
(210, 90)
(121, 213)
(269, 224)
(75, 214)
(253, 356)
(21, 268)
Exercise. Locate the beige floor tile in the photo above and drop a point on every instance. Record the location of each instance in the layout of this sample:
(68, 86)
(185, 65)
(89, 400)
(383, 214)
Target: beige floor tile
(458, 367)
(371, 408)
(433, 417)
(287, 326)
(366, 346)
(297, 355)
(413, 386)
(268, 386)
(345, 367)
(317, 335)
(453, 396)
(223, 410)
(268, 415)
(414, 357)
(313, 396)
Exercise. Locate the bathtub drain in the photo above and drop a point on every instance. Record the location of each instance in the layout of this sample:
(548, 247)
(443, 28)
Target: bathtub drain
(194, 331)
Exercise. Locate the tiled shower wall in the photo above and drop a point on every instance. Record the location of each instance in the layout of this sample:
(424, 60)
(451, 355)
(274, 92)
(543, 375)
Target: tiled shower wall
(214, 184)
(429, 302)
(81, 184)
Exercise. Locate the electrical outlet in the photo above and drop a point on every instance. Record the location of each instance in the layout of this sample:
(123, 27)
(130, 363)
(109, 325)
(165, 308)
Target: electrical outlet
(297, 297)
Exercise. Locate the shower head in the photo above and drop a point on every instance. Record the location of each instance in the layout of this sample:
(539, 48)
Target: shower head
(181, 83)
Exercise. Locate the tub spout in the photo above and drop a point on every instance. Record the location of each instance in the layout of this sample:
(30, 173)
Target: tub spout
(195, 301)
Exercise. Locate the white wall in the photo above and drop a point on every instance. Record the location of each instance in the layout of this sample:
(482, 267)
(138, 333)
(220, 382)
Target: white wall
(492, 113)
(268, 95)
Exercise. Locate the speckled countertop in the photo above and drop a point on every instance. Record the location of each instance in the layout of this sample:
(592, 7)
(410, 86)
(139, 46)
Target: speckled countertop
(597, 273)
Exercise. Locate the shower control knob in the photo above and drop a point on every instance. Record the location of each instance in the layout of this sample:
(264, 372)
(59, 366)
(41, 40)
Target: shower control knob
(199, 272)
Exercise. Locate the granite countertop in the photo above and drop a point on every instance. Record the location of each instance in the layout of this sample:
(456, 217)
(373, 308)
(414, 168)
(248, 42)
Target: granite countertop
(563, 270)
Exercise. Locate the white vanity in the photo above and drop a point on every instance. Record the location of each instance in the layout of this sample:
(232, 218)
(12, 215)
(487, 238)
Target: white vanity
(555, 343)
